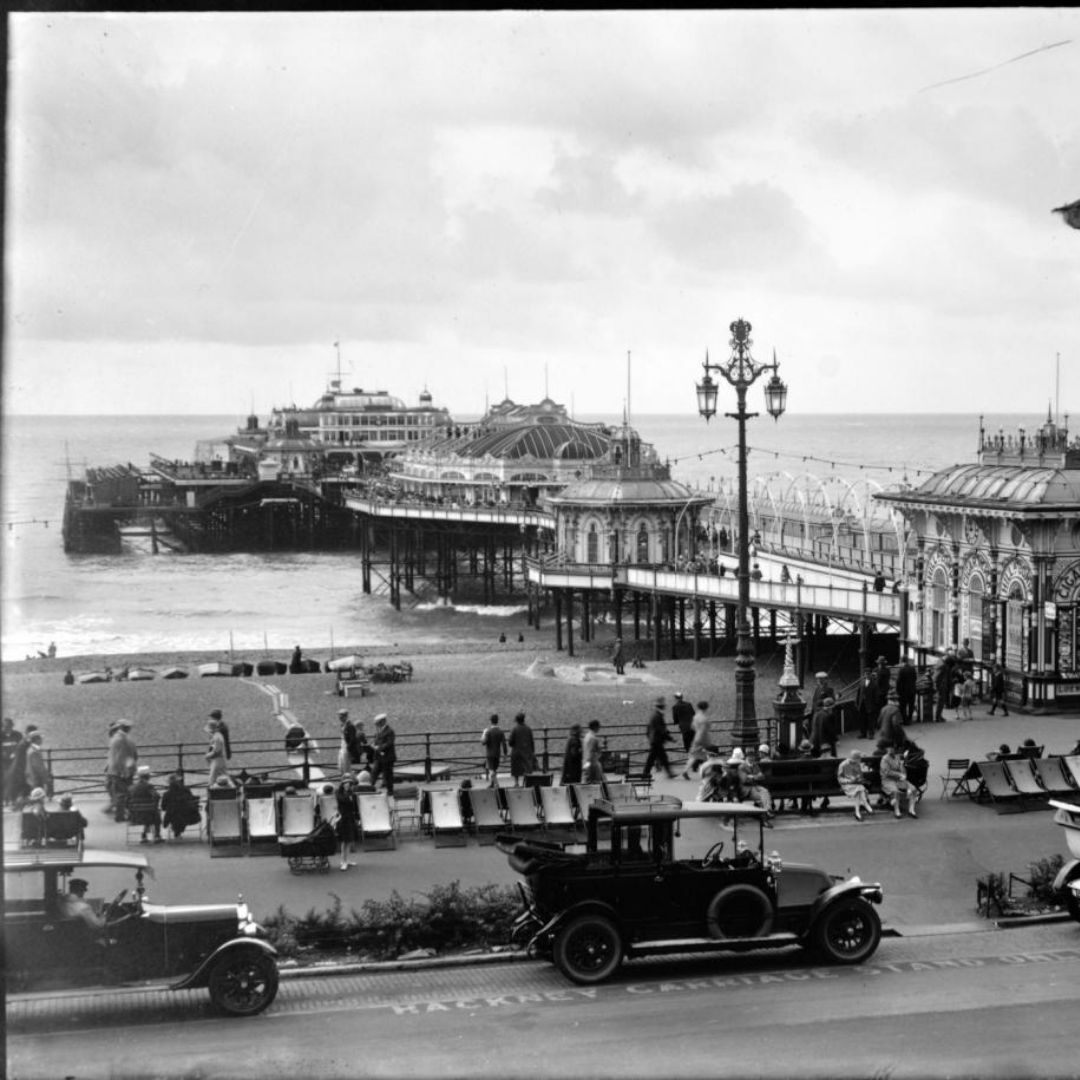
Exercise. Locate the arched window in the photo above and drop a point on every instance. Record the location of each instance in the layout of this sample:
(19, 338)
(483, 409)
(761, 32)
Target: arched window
(939, 609)
(592, 545)
(976, 614)
(1014, 628)
(642, 544)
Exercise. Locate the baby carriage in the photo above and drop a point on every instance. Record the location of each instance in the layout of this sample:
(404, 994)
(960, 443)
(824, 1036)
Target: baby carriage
(311, 852)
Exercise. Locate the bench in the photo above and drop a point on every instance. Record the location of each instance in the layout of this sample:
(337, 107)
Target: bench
(359, 686)
(806, 779)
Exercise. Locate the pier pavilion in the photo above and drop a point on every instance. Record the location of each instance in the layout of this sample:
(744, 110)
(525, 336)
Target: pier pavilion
(997, 561)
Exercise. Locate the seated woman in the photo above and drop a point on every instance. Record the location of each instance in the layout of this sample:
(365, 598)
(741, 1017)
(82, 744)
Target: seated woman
(894, 781)
(179, 806)
(852, 782)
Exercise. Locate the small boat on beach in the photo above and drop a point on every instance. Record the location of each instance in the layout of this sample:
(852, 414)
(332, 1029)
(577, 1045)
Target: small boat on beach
(139, 674)
(218, 669)
(93, 677)
(174, 673)
(271, 667)
(345, 663)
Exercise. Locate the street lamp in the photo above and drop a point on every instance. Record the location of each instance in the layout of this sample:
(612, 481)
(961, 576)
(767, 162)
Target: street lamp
(742, 371)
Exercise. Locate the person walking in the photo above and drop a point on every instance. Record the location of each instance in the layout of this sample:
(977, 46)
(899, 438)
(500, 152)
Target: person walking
(37, 768)
(906, 681)
(385, 753)
(522, 750)
(593, 771)
(965, 695)
(701, 741)
(224, 729)
(657, 734)
(618, 657)
(997, 691)
(573, 755)
(867, 704)
(122, 759)
(349, 740)
(494, 742)
(884, 677)
(216, 760)
(823, 728)
(891, 724)
(682, 714)
(942, 690)
(347, 820)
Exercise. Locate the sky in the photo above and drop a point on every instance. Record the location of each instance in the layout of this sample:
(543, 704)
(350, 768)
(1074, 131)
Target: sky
(529, 204)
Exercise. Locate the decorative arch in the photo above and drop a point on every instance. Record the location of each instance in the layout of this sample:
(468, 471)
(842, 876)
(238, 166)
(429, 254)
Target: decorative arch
(1017, 579)
(1067, 584)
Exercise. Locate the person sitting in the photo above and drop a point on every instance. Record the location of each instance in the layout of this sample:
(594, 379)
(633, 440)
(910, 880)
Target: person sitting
(894, 781)
(179, 806)
(66, 825)
(144, 806)
(35, 818)
(74, 905)
(364, 784)
(853, 782)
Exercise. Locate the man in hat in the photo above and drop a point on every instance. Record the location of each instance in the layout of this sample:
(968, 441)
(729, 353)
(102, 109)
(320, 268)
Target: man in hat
(119, 768)
(822, 690)
(74, 905)
(144, 805)
(891, 724)
(656, 732)
(823, 728)
(385, 753)
(224, 729)
(349, 737)
(216, 760)
(884, 677)
(682, 713)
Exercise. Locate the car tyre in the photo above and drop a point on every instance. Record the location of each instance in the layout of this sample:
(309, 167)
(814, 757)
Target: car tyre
(589, 949)
(739, 911)
(243, 982)
(846, 932)
(1072, 901)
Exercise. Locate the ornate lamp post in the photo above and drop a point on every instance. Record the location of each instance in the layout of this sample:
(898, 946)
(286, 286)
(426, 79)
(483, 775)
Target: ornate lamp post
(742, 371)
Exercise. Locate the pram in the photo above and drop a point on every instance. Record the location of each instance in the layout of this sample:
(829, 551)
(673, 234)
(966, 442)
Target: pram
(311, 852)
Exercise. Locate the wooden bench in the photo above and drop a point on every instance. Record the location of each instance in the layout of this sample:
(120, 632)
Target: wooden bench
(806, 779)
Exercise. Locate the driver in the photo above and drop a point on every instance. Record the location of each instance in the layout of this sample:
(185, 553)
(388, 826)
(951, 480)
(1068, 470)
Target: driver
(74, 905)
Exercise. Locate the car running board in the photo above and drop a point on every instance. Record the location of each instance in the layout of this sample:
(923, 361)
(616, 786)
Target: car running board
(708, 944)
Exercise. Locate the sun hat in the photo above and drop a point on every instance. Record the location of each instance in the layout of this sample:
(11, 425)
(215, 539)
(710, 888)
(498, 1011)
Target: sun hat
(125, 724)
(737, 755)
(381, 718)
(143, 770)
(38, 795)
(215, 714)
(821, 675)
(678, 694)
(763, 748)
(343, 712)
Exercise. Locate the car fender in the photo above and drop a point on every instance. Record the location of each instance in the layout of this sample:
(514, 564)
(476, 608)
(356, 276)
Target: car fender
(1068, 875)
(201, 975)
(871, 892)
(542, 940)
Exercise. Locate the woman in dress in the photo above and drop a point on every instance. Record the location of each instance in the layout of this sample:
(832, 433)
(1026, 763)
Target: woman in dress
(347, 822)
(894, 781)
(572, 756)
(853, 783)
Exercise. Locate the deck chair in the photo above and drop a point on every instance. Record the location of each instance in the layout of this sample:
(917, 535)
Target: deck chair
(582, 795)
(376, 825)
(1026, 781)
(260, 813)
(1070, 766)
(297, 814)
(1030, 751)
(326, 805)
(487, 813)
(998, 786)
(557, 808)
(225, 822)
(406, 815)
(1052, 776)
(956, 779)
(620, 792)
(446, 821)
(522, 808)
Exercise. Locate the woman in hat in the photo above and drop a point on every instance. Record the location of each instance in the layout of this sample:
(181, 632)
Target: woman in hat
(180, 806)
(853, 782)
(347, 821)
(894, 781)
(16, 788)
(215, 756)
(37, 770)
(34, 817)
(572, 757)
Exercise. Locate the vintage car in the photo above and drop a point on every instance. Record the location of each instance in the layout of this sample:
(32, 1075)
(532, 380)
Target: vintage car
(1067, 881)
(57, 938)
(627, 894)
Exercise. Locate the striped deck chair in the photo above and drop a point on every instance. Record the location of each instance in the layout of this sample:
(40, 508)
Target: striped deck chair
(998, 786)
(487, 813)
(522, 808)
(583, 794)
(376, 826)
(260, 811)
(1025, 780)
(557, 809)
(225, 822)
(1052, 775)
(446, 821)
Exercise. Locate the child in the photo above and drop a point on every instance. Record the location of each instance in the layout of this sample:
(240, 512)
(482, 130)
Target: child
(966, 694)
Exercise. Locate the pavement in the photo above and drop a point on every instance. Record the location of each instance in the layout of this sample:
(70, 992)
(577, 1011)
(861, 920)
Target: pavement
(928, 867)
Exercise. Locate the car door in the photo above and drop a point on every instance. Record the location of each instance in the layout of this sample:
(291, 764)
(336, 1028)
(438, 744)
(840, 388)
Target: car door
(653, 894)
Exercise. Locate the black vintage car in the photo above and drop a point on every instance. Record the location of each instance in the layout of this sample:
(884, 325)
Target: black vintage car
(57, 938)
(627, 894)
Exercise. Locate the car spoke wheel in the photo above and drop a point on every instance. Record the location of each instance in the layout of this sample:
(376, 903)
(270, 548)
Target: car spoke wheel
(846, 932)
(244, 982)
(589, 949)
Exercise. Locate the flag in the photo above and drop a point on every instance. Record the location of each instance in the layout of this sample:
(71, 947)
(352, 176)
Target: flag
(1070, 212)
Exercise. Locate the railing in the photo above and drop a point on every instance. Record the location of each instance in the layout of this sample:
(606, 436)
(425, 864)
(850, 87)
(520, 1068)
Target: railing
(422, 511)
(80, 770)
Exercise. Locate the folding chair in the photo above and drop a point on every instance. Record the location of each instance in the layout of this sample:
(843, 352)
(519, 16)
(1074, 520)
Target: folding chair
(297, 814)
(582, 795)
(558, 812)
(33, 830)
(224, 822)
(446, 822)
(956, 778)
(1022, 773)
(487, 813)
(376, 826)
(999, 787)
(620, 792)
(1052, 776)
(260, 812)
(406, 815)
(143, 817)
(522, 808)
(64, 828)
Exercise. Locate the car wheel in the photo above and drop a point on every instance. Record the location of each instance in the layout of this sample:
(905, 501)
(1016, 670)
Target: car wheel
(846, 932)
(243, 982)
(1072, 899)
(739, 911)
(589, 949)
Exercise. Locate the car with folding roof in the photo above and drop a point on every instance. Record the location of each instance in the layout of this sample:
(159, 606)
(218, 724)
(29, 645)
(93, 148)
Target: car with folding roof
(57, 935)
(654, 877)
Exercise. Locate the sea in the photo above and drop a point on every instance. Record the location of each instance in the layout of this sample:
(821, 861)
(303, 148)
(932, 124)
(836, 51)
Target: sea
(247, 604)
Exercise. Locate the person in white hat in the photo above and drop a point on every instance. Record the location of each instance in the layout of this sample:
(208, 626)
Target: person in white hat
(120, 764)
(852, 779)
(144, 805)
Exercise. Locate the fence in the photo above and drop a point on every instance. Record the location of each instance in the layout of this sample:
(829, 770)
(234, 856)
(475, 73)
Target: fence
(80, 770)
